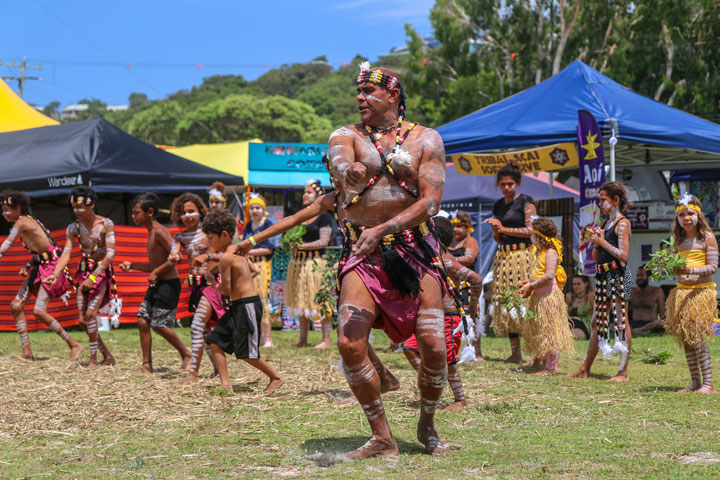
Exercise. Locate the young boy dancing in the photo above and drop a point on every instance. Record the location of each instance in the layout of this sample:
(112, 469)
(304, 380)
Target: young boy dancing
(238, 331)
(42, 279)
(158, 309)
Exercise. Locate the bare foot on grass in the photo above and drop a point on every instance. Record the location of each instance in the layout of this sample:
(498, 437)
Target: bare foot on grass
(75, 352)
(375, 448)
(323, 345)
(580, 373)
(620, 378)
(268, 345)
(544, 371)
(515, 358)
(688, 389)
(455, 406)
(189, 378)
(27, 355)
(92, 366)
(429, 437)
(388, 382)
(706, 389)
(108, 361)
(146, 367)
(274, 385)
(185, 365)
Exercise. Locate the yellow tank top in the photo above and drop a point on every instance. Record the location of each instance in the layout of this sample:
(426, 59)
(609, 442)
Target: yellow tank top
(560, 275)
(695, 258)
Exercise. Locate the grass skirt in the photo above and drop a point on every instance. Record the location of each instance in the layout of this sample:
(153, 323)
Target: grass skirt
(304, 280)
(690, 314)
(262, 285)
(509, 268)
(549, 331)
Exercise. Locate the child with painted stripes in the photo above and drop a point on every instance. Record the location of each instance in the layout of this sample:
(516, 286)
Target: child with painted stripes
(458, 273)
(548, 334)
(692, 304)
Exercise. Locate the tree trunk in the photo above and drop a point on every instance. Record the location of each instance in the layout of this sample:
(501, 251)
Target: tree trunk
(565, 31)
(670, 48)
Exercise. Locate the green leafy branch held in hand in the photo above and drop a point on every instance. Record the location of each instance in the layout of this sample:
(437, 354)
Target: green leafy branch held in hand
(293, 237)
(511, 303)
(666, 262)
(325, 296)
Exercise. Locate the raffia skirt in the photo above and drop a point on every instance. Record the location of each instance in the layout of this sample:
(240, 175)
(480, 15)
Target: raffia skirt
(690, 314)
(304, 280)
(261, 282)
(549, 331)
(509, 268)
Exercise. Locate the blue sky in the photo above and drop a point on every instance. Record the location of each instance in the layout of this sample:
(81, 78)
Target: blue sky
(85, 46)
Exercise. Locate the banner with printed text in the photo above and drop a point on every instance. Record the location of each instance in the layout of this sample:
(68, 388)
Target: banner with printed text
(592, 176)
(553, 157)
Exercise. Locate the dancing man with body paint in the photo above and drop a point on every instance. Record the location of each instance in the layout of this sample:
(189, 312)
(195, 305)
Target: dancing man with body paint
(390, 278)
(613, 282)
(94, 279)
(42, 278)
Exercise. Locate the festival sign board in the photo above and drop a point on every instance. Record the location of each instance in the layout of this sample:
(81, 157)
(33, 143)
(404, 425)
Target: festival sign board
(287, 157)
(592, 176)
(543, 159)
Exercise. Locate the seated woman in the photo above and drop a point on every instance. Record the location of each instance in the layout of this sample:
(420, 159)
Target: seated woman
(580, 304)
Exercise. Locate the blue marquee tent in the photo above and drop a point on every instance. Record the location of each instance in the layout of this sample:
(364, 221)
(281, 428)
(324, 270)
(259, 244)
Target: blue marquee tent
(547, 113)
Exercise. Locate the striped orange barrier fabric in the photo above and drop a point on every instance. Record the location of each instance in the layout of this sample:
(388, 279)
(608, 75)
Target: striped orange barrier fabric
(130, 245)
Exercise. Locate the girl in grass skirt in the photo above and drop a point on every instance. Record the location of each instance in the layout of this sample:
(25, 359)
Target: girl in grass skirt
(692, 305)
(305, 271)
(511, 224)
(548, 333)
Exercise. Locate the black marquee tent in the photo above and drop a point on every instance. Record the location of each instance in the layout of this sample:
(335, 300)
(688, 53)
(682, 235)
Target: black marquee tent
(52, 160)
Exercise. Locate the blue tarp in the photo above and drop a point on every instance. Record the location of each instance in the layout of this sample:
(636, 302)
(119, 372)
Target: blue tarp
(547, 113)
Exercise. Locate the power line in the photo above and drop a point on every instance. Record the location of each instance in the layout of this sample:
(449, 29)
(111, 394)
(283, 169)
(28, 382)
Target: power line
(96, 46)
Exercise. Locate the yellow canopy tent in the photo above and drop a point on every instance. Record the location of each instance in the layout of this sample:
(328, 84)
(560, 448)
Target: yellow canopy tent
(230, 158)
(18, 115)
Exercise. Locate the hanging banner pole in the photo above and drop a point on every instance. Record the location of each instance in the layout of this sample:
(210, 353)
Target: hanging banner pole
(592, 176)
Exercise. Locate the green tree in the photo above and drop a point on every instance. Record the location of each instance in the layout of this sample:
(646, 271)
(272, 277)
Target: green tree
(157, 124)
(96, 109)
(51, 110)
(241, 117)
(289, 79)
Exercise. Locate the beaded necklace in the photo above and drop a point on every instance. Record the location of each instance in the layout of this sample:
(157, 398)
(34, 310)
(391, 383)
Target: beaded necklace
(386, 167)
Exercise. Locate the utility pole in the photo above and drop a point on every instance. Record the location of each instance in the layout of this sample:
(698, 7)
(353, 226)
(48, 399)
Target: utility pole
(22, 77)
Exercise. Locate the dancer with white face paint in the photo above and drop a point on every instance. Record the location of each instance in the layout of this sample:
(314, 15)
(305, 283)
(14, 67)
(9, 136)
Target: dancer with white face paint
(613, 282)
(513, 263)
(390, 278)
(42, 278)
(207, 305)
(261, 255)
(94, 279)
(692, 305)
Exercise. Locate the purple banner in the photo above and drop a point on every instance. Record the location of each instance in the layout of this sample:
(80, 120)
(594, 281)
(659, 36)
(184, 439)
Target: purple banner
(592, 176)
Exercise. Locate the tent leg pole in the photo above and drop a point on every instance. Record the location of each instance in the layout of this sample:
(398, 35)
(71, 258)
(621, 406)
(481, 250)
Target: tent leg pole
(551, 182)
(612, 161)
